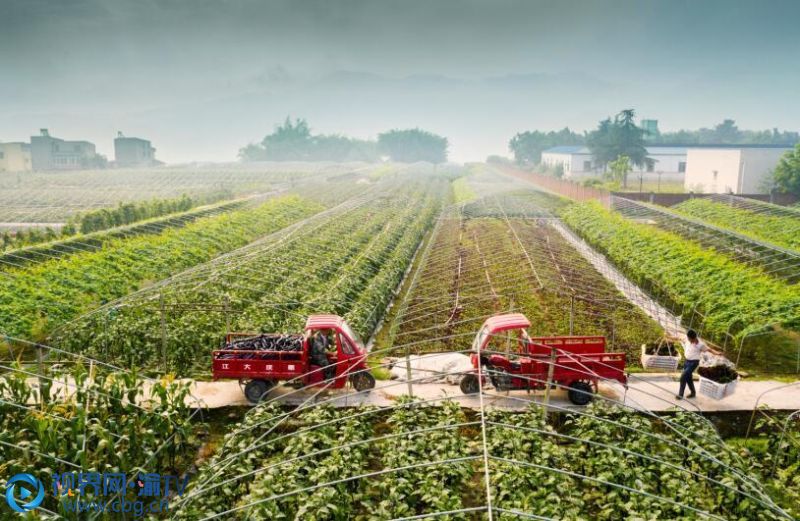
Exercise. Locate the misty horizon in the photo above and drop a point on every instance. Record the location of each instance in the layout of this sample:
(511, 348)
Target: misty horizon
(203, 79)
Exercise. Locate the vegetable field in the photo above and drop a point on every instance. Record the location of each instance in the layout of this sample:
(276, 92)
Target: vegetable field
(481, 262)
(415, 259)
(725, 299)
(782, 230)
(775, 261)
(414, 459)
(35, 300)
(346, 261)
(98, 429)
(55, 197)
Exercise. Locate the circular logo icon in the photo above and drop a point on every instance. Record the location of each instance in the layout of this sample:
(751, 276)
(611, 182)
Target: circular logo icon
(24, 492)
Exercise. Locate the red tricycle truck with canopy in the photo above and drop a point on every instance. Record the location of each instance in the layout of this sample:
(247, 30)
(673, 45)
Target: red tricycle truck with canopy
(574, 363)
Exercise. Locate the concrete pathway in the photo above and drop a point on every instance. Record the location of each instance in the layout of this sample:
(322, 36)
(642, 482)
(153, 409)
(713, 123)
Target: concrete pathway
(671, 323)
(653, 392)
(647, 391)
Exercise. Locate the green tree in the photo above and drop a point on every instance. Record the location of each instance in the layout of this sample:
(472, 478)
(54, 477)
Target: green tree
(620, 137)
(293, 141)
(787, 172)
(412, 145)
(726, 133)
(619, 169)
(528, 146)
(289, 141)
(601, 143)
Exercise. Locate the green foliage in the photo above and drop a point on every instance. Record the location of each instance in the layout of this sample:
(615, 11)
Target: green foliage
(620, 137)
(619, 169)
(787, 172)
(462, 191)
(59, 290)
(726, 132)
(318, 272)
(131, 212)
(528, 146)
(730, 296)
(111, 423)
(604, 463)
(776, 229)
(482, 260)
(412, 145)
(293, 141)
(105, 218)
(774, 454)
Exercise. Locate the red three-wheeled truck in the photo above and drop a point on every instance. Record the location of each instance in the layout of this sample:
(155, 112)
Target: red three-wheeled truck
(574, 363)
(260, 361)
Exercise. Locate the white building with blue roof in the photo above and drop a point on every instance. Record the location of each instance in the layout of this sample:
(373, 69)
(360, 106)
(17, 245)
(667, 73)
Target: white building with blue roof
(669, 163)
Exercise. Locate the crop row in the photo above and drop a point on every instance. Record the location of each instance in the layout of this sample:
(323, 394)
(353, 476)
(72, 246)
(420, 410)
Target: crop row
(481, 266)
(775, 454)
(348, 263)
(729, 297)
(35, 299)
(70, 245)
(772, 260)
(776, 229)
(518, 203)
(411, 460)
(107, 425)
(54, 197)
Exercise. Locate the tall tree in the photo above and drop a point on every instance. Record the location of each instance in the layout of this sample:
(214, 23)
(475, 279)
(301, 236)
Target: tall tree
(528, 146)
(726, 133)
(293, 141)
(289, 141)
(601, 143)
(620, 137)
(412, 145)
(787, 172)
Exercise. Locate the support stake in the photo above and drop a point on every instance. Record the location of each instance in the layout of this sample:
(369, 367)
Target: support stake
(163, 330)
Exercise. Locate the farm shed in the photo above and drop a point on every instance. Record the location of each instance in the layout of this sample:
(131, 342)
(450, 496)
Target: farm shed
(669, 163)
(738, 169)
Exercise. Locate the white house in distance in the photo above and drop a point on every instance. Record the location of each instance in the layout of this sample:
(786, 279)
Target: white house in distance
(738, 169)
(669, 163)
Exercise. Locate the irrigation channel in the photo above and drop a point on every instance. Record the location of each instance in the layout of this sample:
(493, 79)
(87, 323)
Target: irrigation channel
(414, 446)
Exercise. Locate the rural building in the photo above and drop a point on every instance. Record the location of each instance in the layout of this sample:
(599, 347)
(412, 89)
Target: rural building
(15, 157)
(133, 151)
(50, 153)
(738, 169)
(669, 163)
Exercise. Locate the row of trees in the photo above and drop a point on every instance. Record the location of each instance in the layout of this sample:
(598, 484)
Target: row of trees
(618, 144)
(293, 141)
(725, 133)
(528, 146)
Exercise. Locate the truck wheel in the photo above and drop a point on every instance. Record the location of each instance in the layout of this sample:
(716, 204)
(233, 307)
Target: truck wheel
(256, 390)
(363, 381)
(469, 384)
(580, 393)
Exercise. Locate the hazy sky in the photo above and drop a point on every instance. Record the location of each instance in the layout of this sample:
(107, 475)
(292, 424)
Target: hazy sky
(201, 78)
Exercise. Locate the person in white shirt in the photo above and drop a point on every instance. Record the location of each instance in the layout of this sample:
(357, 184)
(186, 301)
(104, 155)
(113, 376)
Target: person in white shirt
(693, 349)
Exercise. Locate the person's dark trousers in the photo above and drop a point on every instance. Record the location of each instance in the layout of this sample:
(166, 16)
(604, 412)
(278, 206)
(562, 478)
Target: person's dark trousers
(686, 376)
